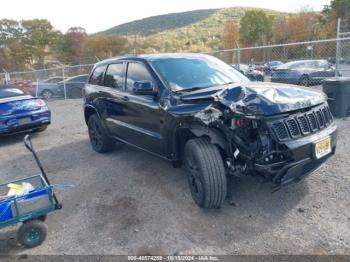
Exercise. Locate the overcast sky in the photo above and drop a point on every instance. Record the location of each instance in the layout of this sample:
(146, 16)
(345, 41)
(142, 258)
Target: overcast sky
(99, 15)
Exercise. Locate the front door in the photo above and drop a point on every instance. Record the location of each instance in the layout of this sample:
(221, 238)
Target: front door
(136, 119)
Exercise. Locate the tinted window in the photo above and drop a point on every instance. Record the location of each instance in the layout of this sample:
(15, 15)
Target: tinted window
(323, 64)
(299, 64)
(97, 76)
(10, 92)
(114, 76)
(80, 78)
(53, 80)
(136, 72)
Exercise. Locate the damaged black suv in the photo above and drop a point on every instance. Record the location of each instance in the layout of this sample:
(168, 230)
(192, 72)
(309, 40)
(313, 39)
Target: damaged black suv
(199, 112)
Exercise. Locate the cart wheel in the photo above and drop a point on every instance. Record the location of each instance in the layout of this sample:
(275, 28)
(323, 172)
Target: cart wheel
(32, 233)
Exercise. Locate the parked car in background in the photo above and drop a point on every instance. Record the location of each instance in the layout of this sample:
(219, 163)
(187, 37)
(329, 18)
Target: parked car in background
(250, 72)
(303, 72)
(49, 90)
(21, 112)
(46, 88)
(198, 112)
(257, 66)
(73, 85)
(269, 67)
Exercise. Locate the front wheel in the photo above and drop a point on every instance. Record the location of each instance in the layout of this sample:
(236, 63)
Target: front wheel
(47, 94)
(206, 173)
(32, 233)
(99, 140)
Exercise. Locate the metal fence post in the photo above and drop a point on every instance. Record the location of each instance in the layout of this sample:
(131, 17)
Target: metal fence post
(337, 55)
(64, 83)
(239, 59)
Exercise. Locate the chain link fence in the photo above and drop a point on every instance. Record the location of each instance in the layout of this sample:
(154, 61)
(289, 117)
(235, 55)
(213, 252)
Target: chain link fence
(306, 63)
(58, 82)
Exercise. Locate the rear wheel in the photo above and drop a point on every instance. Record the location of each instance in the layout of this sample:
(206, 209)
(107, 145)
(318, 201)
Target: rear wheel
(99, 140)
(260, 78)
(75, 93)
(46, 94)
(304, 81)
(206, 173)
(40, 129)
(32, 233)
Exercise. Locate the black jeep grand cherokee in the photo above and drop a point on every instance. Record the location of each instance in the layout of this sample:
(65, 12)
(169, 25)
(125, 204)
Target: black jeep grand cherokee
(197, 111)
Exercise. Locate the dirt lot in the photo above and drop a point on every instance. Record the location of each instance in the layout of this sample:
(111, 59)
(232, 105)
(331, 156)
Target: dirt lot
(129, 202)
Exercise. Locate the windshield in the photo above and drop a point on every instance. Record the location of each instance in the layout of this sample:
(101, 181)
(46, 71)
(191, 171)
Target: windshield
(183, 73)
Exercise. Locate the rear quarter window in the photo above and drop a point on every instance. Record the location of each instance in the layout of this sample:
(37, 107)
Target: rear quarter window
(97, 75)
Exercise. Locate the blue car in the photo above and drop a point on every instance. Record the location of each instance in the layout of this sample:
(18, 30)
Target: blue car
(20, 112)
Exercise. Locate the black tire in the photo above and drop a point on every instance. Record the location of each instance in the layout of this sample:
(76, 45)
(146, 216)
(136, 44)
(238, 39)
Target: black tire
(260, 78)
(40, 129)
(99, 140)
(32, 233)
(75, 93)
(206, 173)
(46, 94)
(304, 80)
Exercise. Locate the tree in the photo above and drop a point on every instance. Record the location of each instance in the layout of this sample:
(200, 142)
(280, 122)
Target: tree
(304, 26)
(342, 10)
(231, 40)
(104, 46)
(337, 8)
(256, 27)
(38, 36)
(75, 37)
(231, 35)
(24, 44)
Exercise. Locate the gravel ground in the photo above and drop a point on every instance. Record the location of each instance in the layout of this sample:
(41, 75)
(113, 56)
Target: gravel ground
(129, 202)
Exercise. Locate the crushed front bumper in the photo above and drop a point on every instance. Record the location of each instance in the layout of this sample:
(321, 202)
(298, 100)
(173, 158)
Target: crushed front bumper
(304, 161)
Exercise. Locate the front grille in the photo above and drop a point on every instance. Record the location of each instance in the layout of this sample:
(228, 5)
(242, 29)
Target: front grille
(293, 128)
(280, 130)
(312, 121)
(302, 124)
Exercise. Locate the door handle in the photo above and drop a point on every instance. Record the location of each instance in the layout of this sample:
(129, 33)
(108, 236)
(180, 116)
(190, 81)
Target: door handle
(125, 98)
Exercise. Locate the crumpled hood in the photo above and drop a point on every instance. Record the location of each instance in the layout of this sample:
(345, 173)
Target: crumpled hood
(259, 98)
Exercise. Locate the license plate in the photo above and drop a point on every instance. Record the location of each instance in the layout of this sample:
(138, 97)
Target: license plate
(323, 148)
(24, 121)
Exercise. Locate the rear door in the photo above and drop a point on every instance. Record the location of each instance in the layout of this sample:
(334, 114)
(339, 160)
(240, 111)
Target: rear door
(113, 94)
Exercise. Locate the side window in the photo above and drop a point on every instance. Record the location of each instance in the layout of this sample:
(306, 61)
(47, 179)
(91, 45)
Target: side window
(137, 72)
(114, 76)
(81, 78)
(97, 76)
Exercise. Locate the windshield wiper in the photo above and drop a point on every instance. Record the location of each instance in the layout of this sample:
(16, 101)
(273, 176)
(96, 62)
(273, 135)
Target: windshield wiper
(195, 88)
(226, 84)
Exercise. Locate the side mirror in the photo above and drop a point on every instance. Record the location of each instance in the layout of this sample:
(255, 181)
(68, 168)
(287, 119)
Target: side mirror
(144, 88)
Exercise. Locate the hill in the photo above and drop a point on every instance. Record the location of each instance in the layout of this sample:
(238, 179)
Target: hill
(194, 31)
(155, 24)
